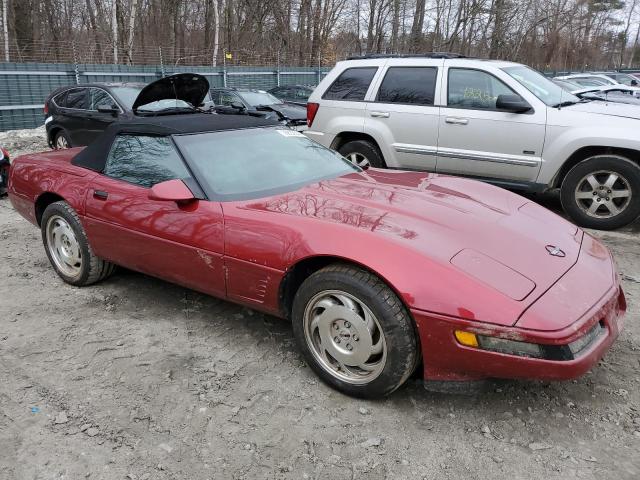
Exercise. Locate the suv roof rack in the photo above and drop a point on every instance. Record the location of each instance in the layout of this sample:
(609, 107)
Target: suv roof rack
(407, 55)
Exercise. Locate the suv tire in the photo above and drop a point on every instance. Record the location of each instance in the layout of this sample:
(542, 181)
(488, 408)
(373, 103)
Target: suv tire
(61, 141)
(362, 153)
(602, 192)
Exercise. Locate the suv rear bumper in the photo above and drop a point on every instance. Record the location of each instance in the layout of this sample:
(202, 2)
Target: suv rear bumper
(446, 359)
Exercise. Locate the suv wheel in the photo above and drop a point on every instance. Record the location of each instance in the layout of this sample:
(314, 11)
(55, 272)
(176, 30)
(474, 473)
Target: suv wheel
(362, 153)
(602, 192)
(60, 141)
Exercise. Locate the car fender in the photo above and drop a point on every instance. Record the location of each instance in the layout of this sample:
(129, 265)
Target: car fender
(562, 142)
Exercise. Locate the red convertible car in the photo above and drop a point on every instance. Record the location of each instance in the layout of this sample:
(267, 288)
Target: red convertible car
(380, 272)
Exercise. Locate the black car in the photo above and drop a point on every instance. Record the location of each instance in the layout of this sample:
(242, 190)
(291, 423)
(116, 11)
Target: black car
(258, 103)
(76, 115)
(298, 94)
(4, 171)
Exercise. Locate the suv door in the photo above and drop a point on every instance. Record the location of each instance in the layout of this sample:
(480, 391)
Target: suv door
(72, 115)
(183, 243)
(403, 117)
(97, 121)
(477, 139)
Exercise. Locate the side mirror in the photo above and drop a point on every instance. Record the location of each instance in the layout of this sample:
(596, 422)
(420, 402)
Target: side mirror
(238, 106)
(512, 103)
(113, 110)
(171, 191)
(634, 83)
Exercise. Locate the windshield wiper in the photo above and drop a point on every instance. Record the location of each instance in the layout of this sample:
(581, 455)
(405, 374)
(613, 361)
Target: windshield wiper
(566, 103)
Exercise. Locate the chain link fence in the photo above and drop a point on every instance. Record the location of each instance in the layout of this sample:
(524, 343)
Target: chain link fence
(34, 71)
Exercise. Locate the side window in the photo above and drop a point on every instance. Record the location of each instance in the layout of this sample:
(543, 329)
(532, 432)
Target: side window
(409, 85)
(352, 84)
(76, 98)
(225, 98)
(61, 99)
(144, 160)
(474, 89)
(99, 98)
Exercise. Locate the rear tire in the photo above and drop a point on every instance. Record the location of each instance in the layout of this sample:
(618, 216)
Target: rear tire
(354, 331)
(68, 249)
(61, 141)
(602, 192)
(362, 153)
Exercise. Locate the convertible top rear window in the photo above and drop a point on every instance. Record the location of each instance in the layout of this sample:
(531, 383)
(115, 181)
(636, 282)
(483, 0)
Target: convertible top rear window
(252, 163)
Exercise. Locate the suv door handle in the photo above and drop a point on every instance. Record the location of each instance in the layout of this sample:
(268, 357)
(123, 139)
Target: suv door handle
(380, 114)
(100, 194)
(456, 121)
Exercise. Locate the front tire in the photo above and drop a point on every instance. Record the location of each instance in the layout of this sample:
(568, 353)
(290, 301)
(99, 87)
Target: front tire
(354, 331)
(68, 249)
(602, 192)
(362, 153)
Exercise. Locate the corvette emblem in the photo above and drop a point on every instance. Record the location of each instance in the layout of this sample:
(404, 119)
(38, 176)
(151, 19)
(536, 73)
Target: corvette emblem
(555, 251)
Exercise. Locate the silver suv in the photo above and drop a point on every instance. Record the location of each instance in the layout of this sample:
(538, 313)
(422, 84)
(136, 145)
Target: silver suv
(497, 121)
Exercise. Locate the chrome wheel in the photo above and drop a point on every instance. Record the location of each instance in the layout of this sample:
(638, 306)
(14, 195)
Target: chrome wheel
(359, 160)
(603, 194)
(63, 246)
(345, 337)
(61, 142)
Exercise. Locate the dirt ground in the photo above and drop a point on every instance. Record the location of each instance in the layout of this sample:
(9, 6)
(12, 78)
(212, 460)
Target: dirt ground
(135, 378)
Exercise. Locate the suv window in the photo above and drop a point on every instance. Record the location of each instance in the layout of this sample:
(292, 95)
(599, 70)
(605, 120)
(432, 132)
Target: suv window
(100, 98)
(352, 84)
(474, 89)
(60, 99)
(144, 160)
(76, 98)
(412, 85)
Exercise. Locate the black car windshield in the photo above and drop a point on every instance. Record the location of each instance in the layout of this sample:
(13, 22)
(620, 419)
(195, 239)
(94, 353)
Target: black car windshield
(258, 162)
(259, 98)
(127, 95)
(543, 88)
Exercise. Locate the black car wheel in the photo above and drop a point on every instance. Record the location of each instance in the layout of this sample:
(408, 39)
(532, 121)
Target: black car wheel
(68, 249)
(362, 153)
(354, 331)
(602, 192)
(61, 141)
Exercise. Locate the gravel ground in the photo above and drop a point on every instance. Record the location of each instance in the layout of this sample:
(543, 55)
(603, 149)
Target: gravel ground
(135, 378)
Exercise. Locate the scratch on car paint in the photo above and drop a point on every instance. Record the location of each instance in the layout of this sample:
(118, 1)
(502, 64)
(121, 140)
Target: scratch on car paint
(508, 335)
(208, 259)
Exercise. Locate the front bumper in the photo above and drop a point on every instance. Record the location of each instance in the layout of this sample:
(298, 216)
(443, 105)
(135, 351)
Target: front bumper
(444, 358)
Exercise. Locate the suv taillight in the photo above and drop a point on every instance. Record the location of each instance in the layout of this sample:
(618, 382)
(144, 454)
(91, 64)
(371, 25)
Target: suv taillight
(312, 109)
(46, 108)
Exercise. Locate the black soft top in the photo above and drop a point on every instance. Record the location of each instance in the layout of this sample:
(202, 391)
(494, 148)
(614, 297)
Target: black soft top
(94, 156)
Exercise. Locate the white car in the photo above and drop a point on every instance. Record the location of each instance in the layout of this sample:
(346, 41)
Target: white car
(598, 79)
(497, 121)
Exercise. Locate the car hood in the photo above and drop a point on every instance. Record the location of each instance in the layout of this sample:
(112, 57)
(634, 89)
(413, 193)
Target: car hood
(488, 236)
(289, 110)
(189, 87)
(606, 108)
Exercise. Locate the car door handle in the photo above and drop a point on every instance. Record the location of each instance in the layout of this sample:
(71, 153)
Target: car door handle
(456, 121)
(100, 194)
(379, 114)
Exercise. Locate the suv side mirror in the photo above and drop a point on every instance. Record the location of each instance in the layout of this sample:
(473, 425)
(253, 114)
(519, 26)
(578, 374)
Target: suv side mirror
(237, 105)
(634, 83)
(512, 103)
(113, 109)
(171, 191)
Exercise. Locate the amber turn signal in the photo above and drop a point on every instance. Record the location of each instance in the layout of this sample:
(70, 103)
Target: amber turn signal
(466, 338)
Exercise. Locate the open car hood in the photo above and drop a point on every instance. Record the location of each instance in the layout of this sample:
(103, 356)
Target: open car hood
(188, 87)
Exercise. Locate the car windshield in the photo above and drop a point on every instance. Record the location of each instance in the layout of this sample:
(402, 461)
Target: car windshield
(127, 95)
(259, 98)
(258, 162)
(543, 88)
(164, 104)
